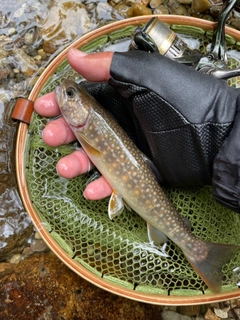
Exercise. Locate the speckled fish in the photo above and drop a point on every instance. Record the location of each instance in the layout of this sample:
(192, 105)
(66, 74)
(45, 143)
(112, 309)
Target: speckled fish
(133, 182)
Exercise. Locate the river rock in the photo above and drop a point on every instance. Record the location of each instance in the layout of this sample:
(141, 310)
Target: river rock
(215, 11)
(176, 8)
(185, 1)
(4, 72)
(234, 313)
(235, 23)
(221, 313)
(28, 38)
(155, 3)
(122, 10)
(23, 62)
(65, 21)
(172, 315)
(192, 310)
(3, 53)
(210, 315)
(38, 245)
(207, 17)
(161, 10)
(42, 53)
(200, 5)
(42, 287)
(132, 2)
(138, 10)
(11, 31)
(5, 69)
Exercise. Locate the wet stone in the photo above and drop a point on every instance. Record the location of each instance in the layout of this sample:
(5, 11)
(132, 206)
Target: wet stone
(27, 252)
(38, 245)
(24, 62)
(161, 10)
(3, 53)
(42, 287)
(37, 236)
(176, 8)
(172, 315)
(138, 10)
(189, 310)
(42, 53)
(64, 22)
(234, 313)
(38, 57)
(221, 313)
(11, 31)
(122, 9)
(143, 2)
(5, 266)
(4, 72)
(207, 17)
(210, 315)
(15, 258)
(185, 1)
(235, 23)
(156, 3)
(200, 5)
(29, 38)
(3, 97)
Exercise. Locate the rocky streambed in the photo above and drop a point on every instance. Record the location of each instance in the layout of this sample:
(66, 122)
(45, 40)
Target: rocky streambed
(34, 284)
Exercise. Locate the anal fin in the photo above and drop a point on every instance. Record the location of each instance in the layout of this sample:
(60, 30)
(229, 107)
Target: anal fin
(156, 236)
(115, 205)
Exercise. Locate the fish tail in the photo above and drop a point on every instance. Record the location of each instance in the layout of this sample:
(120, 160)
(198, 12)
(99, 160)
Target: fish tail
(210, 268)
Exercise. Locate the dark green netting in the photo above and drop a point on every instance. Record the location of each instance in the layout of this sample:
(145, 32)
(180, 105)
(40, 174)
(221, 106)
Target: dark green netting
(119, 250)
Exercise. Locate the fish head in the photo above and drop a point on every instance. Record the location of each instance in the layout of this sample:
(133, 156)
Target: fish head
(73, 103)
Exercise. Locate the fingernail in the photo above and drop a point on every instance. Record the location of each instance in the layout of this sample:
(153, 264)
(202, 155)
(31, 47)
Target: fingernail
(77, 53)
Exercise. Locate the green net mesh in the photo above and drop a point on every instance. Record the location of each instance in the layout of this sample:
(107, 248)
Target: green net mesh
(119, 250)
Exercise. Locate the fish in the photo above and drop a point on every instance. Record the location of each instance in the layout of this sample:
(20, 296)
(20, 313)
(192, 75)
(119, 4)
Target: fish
(133, 182)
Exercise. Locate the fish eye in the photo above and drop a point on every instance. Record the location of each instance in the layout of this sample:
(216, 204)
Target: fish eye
(70, 92)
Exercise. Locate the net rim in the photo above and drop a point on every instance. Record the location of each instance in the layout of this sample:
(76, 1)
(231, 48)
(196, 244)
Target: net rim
(103, 283)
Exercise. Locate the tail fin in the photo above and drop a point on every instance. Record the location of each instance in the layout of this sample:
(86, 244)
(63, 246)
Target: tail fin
(210, 269)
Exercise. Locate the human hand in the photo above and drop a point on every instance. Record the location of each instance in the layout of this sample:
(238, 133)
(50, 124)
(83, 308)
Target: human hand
(93, 67)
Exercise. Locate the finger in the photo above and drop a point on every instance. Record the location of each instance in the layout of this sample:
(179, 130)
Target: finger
(93, 67)
(98, 189)
(74, 164)
(47, 105)
(57, 132)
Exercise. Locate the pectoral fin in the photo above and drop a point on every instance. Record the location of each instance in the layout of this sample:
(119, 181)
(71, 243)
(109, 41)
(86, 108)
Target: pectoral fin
(115, 206)
(155, 235)
(87, 145)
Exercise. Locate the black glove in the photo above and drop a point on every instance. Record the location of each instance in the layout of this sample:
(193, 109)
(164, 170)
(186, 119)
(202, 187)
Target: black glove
(177, 116)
